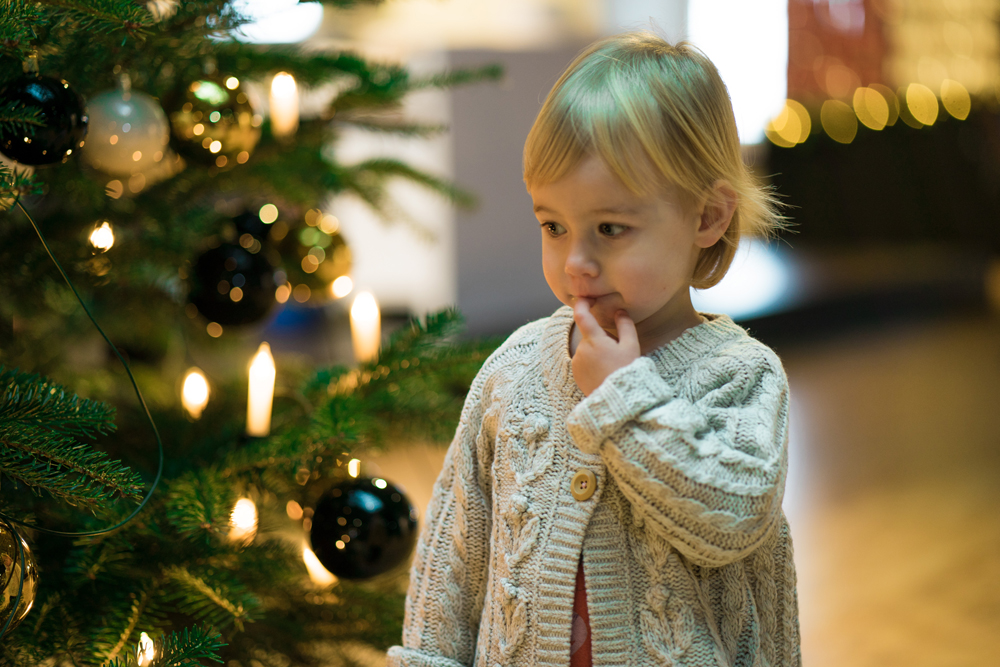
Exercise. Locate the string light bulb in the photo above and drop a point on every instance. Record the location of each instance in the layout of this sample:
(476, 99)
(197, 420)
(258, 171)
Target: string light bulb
(147, 650)
(103, 237)
(317, 573)
(194, 393)
(243, 521)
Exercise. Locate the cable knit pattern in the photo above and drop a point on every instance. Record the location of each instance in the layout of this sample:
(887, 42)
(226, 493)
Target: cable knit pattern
(686, 552)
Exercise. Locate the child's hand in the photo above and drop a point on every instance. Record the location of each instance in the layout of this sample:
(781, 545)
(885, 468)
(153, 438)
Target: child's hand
(599, 355)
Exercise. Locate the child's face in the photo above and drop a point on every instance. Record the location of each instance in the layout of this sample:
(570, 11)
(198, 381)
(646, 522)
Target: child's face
(620, 250)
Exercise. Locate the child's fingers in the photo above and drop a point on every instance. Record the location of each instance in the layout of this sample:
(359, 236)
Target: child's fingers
(587, 323)
(627, 335)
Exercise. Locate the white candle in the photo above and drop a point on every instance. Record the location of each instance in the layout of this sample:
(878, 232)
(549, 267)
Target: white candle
(261, 392)
(284, 102)
(194, 393)
(366, 327)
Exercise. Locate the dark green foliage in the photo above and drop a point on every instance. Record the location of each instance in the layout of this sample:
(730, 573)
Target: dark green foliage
(40, 427)
(174, 566)
(74, 463)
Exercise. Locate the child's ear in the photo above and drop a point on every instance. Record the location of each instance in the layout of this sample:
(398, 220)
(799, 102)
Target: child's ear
(717, 211)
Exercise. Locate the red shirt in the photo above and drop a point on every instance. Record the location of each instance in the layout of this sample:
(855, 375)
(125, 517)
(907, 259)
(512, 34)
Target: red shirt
(579, 645)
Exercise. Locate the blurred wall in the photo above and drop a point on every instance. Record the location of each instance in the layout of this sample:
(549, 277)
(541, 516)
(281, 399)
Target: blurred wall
(498, 252)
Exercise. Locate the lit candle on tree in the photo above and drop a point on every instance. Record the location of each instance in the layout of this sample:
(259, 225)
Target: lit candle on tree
(366, 327)
(261, 392)
(284, 104)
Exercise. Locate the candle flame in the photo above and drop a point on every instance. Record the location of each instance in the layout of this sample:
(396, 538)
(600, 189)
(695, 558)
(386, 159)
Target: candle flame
(194, 394)
(319, 574)
(146, 651)
(283, 85)
(103, 237)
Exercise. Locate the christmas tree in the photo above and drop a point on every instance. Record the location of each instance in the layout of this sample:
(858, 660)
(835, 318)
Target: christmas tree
(133, 531)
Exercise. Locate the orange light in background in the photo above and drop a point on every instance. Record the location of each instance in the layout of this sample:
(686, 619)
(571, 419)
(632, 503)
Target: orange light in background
(366, 327)
(791, 126)
(341, 287)
(922, 103)
(293, 510)
(103, 237)
(319, 574)
(871, 108)
(839, 121)
(214, 329)
(284, 105)
(956, 99)
(194, 393)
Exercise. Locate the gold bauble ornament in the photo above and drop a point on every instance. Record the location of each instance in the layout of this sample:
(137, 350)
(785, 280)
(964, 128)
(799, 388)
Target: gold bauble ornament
(314, 253)
(11, 575)
(212, 122)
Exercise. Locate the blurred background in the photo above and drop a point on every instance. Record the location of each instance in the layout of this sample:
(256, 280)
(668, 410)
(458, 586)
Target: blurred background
(877, 121)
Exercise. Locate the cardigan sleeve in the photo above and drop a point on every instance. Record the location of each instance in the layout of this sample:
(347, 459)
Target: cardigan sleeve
(448, 575)
(704, 461)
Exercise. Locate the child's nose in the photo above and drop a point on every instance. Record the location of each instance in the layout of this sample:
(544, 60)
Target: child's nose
(581, 261)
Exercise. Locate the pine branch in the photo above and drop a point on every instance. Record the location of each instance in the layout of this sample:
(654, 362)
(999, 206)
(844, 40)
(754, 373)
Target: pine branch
(31, 400)
(126, 626)
(64, 468)
(187, 648)
(459, 77)
(199, 504)
(220, 603)
(104, 15)
(367, 180)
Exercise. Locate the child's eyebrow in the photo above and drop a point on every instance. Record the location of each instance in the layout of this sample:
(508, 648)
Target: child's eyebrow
(615, 210)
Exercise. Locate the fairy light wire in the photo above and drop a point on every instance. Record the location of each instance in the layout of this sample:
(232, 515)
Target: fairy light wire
(142, 402)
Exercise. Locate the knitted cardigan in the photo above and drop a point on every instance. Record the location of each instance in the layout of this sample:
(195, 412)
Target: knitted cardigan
(687, 553)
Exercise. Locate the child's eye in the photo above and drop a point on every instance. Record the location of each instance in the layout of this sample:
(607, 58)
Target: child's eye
(553, 228)
(611, 229)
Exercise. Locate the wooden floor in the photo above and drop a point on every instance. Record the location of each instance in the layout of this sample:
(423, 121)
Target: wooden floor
(893, 494)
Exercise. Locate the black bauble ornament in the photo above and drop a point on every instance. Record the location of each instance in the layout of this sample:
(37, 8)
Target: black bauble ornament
(231, 285)
(13, 576)
(62, 111)
(363, 527)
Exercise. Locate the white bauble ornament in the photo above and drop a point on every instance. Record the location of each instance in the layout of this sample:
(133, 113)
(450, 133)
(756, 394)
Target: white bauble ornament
(129, 132)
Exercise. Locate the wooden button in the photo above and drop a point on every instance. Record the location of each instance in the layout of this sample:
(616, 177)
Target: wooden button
(583, 485)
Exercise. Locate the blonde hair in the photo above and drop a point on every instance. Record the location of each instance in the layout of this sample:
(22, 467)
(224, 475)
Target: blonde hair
(658, 115)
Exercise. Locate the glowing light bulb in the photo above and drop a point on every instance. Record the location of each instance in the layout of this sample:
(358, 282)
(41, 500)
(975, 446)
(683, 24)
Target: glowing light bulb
(146, 651)
(319, 574)
(284, 105)
(243, 521)
(103, 237)
(261, 393)
(353, 467)
(194, 394)
(366, 327)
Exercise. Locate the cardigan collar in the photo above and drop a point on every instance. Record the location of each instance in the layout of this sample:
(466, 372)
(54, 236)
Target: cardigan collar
(678, 354)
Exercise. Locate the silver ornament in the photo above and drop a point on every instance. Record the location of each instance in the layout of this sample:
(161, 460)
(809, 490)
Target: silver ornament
(129, 132)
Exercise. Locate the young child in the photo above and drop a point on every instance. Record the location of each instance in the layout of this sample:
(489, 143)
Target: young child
(613, 492)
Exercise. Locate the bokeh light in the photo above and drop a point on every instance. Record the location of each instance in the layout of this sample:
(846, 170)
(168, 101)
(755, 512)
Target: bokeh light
(268, 213)
(956, 99)
(341, 287)
(791, 126)
(146, 651)
(922, 103)
(839, 121)
(871, 108)
(317, 573)
(353, 467)
(243, 521)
